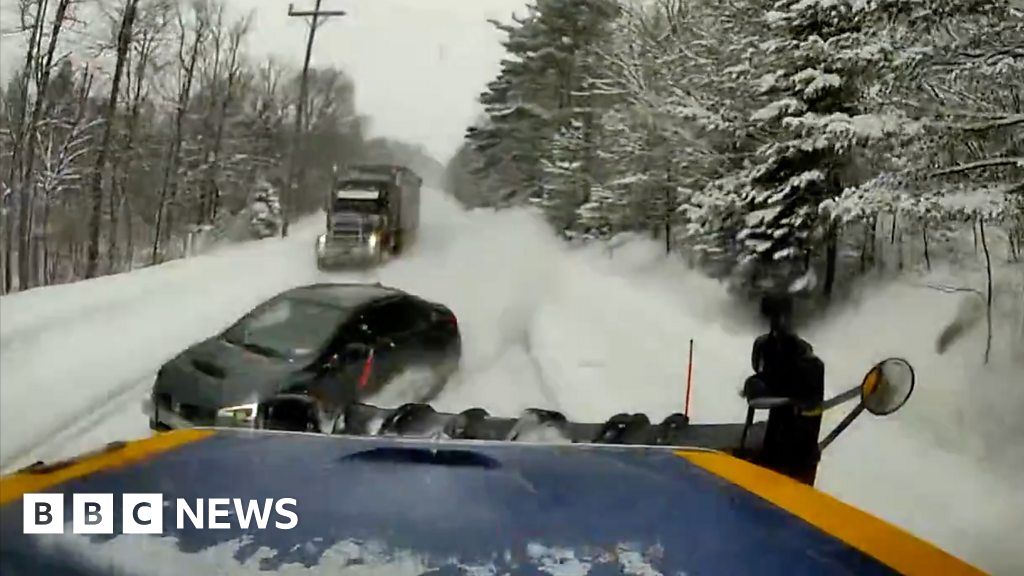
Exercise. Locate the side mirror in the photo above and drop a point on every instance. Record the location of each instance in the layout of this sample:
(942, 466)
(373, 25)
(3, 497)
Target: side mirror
(887, 386)
(884, 390)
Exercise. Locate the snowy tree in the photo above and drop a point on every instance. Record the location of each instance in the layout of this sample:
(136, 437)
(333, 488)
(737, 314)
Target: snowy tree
(658, 137)
(955, 70)
(615, 202)
(566, 182)
(460, 181)
(186, 131)
(45, 27)
(64, 143)
(807, 111)
(766, 137)
(967, 80)
(542, 100)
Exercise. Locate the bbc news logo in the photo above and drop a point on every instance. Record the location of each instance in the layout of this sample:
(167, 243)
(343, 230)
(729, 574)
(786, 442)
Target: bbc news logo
(144, 513)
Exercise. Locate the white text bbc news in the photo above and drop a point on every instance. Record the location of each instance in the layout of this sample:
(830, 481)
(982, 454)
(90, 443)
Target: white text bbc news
(144, 513)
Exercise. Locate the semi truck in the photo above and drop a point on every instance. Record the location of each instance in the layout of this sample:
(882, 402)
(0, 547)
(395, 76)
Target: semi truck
(373, 213)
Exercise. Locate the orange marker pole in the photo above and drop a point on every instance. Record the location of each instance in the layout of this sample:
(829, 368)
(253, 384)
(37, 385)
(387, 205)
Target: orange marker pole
(689, 380)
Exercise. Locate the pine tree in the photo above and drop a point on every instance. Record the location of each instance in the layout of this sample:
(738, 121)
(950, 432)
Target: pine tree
(540, 108)
(674, 129)
(821, 56)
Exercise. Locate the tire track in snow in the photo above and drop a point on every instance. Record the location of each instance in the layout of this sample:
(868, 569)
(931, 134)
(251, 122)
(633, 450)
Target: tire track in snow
(96, 414)
(163, 310)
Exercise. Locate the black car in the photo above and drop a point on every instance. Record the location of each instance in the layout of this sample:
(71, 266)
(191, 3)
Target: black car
(337, 343)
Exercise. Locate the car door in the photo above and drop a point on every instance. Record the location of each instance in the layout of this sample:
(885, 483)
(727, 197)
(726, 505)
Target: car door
(437, 335)
(393, 328)
(342, 363)
(423, 345)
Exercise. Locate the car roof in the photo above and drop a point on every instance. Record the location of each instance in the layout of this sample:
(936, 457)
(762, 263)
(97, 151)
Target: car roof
(343, 295)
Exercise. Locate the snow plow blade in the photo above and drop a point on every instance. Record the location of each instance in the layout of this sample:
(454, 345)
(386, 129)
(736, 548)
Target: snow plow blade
(542, 426)
(414, 506)
(297, 413)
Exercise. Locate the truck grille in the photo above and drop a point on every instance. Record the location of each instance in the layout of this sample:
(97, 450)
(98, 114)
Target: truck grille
(343, 233)
(349, 228)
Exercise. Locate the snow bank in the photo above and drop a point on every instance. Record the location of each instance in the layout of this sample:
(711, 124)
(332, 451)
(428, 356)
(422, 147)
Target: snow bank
(94, 342)
(582, 330)
(953, 450)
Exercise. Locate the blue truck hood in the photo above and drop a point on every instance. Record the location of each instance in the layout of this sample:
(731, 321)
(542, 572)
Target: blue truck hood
(400, 506)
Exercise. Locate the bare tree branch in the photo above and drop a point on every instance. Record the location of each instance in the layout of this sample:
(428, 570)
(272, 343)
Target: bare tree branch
(988, 163)
(1004, 122)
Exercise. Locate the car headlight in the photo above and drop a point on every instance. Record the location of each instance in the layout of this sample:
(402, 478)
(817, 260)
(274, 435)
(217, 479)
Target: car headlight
(321, 242)
(374, 239)
(244, 413)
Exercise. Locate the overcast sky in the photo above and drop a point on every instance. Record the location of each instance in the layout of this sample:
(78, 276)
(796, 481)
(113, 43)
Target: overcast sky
(419, 65)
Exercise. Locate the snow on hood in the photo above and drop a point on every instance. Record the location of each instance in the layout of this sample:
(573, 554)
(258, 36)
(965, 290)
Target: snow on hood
(161, 556)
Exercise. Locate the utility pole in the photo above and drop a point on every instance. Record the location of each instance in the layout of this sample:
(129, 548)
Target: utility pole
(296, 168)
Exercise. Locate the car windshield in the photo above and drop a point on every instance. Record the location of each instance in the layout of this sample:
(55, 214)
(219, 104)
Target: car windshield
(289, 328)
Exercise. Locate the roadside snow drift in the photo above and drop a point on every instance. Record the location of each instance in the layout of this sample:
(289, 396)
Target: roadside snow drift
(584, 331)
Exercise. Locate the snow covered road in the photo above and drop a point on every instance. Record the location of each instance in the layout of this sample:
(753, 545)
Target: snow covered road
(543, 325)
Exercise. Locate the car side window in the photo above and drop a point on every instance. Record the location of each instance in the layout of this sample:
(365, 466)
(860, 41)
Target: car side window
(419, 314)
(394, 318)
(350, 333)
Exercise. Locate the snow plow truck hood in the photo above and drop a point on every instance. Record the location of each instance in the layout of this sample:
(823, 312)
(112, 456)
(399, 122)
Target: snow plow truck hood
(400, 506)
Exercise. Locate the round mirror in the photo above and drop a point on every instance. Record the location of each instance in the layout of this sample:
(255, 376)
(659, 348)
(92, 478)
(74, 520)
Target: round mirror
(887, 386)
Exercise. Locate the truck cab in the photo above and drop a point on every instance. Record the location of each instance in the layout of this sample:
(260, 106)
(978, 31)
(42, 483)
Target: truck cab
(372, 214)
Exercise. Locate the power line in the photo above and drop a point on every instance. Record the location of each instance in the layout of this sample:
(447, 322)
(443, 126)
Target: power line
(296, 168)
